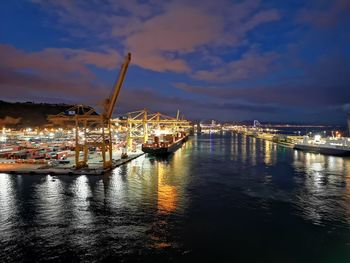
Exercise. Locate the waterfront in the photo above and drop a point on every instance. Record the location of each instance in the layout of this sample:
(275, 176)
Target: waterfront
(220, 197)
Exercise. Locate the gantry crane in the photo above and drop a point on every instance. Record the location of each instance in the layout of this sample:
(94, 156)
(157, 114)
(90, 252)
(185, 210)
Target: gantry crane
(141, 123)
(93, 130)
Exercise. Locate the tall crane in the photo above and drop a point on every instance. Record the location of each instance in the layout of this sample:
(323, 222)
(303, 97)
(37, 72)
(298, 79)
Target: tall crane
(109, 103)
(91, 129)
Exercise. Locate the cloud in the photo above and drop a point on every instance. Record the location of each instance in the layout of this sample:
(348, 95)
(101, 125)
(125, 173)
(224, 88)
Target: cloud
(136, 8)
(217, 45)
(250, 65)
(53, 72)
(261, 18)
(131, 100)
(326, 14)
(13, 83)
(248, 107)
(108, 59)
(57, 60)
(162, 42)
(346, 107)
(178, 30)
(321, 83)
(282, 95)
(161, 34)
(47, 61)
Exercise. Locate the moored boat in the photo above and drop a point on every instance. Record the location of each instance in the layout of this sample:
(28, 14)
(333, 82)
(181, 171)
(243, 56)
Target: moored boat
(164, 145)
(328, 146)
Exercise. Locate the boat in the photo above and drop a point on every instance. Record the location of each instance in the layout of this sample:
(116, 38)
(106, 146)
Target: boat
(165, 144)
(338, 146)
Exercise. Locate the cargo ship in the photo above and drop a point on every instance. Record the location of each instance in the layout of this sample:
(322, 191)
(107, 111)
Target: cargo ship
(329, 146)
(165, 144)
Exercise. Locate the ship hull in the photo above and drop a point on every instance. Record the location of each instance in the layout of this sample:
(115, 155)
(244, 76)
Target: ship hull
(322, 150)
(162, 151)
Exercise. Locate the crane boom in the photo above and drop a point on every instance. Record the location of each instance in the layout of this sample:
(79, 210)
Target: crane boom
(110, 102)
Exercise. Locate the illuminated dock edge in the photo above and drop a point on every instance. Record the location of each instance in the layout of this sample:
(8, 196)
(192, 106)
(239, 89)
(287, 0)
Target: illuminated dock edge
(68, 170)
(334, 146)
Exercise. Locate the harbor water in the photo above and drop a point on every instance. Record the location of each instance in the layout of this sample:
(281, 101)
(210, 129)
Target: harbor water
(220, 198)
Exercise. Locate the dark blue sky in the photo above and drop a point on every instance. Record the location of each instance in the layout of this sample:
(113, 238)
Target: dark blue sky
(229, 60)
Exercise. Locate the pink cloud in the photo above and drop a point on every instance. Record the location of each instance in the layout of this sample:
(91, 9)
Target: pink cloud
(179, 30)
(154, 30)
(57, 60)
(40, 86)
(46, 61)
(108, 59)
(53, 72)
(184, 28)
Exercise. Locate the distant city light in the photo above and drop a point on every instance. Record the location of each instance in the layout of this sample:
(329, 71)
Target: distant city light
(317, 137)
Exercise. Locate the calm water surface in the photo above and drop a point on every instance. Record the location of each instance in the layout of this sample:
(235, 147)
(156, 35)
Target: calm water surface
(223, 198)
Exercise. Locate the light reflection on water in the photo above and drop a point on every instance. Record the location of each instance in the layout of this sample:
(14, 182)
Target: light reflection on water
(50, 201)
(155, 208)
(326, 186)
(270, 152)
(7, 203)
(81, 201)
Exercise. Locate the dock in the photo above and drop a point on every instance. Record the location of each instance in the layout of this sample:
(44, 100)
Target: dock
(280, 139)
(14, 168)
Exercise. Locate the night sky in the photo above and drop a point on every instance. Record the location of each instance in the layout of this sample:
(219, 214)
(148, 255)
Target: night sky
(285, 61)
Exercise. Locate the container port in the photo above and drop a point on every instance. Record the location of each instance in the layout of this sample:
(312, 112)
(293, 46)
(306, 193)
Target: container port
(175, 131)
(83, 141)
(53, 151)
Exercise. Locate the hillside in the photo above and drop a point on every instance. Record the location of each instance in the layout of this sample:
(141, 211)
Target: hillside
(28, 114)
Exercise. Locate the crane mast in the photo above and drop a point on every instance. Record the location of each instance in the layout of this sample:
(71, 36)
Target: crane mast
(91, 129)
(110, 102)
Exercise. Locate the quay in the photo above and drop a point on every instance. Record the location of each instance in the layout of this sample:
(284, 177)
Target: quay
(281, 139)
(284, 140)
(335, 145)
(15, 168)
(256, 131)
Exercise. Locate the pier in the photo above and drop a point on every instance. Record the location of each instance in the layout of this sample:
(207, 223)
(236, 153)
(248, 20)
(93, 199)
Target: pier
(15, 168)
